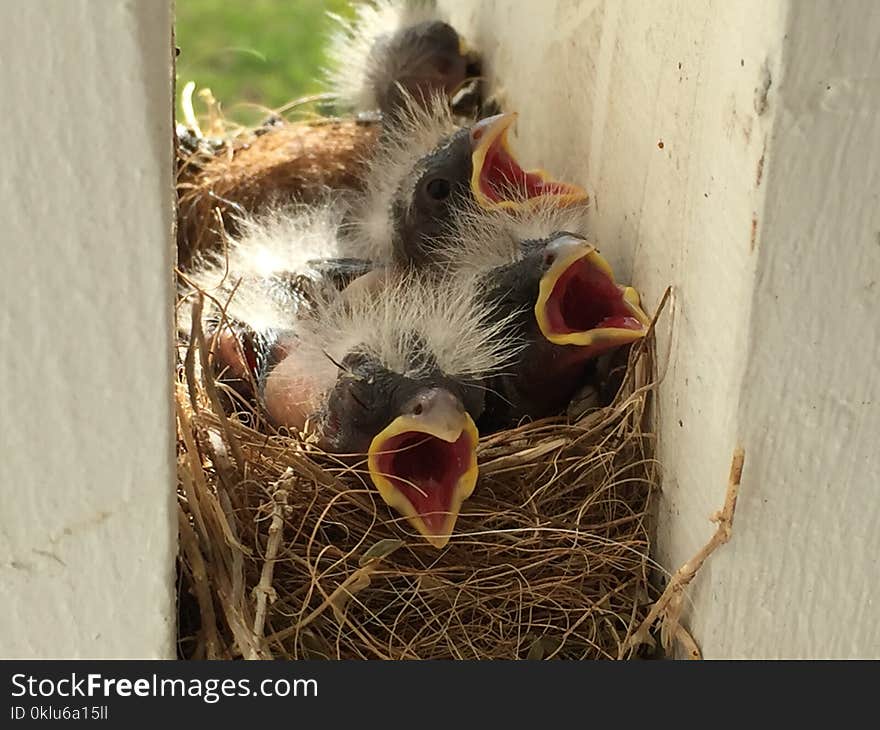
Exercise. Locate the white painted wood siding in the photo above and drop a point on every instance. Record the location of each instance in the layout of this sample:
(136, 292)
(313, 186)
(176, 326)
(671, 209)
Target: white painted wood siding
(87, 529)
(733, 149)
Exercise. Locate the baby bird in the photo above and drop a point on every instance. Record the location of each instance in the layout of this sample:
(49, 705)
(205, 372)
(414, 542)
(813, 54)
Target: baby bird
(559, 294)
(282, 264)
(394, 51)
(426, 168)
(392, 370)
(397, 374)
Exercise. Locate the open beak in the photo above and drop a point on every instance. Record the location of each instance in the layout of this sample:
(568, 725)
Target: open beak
(579, 303)
(498, 181)
(424, 463)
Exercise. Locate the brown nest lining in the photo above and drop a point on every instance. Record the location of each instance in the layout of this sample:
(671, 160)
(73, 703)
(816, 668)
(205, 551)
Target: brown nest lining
(286, 553)
(282, 162)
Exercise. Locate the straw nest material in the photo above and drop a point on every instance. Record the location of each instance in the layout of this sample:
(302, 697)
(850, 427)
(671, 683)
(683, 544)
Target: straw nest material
(288, 553)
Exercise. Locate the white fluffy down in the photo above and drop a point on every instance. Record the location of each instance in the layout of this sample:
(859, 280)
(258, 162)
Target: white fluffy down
(278, 241)
(449, 320)
(480, 240)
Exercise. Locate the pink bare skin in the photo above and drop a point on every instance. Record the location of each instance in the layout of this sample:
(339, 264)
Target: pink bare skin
(290, 392)
(288, 388)
(228, 356)
(370, 282)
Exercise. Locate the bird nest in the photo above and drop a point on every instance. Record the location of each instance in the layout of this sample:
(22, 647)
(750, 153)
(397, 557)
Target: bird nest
(288, 553)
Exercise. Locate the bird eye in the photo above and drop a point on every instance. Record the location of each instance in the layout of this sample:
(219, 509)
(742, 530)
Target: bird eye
(438, 188)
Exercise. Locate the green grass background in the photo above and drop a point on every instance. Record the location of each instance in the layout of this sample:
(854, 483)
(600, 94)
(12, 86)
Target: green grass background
(264, 52)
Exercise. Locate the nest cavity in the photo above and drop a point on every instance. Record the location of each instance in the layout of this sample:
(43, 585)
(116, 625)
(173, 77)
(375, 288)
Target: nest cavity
(288, 553)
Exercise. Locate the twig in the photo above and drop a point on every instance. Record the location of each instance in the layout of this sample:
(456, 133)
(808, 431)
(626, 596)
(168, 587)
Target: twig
(263, 592)
(189, 363)
(687, 641)
(236, 605)
(193, 478)
(669, 606)
(190, 545)
(198, 336)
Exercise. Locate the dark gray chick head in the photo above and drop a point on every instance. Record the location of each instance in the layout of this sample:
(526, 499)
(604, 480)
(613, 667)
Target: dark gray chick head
(562, 298)
(418, 62)
(428, 168)
(392, 53)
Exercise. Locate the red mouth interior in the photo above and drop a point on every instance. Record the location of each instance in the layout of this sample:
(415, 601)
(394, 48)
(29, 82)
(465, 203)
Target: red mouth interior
(502, 178)
(584, 299)
(426, 470)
